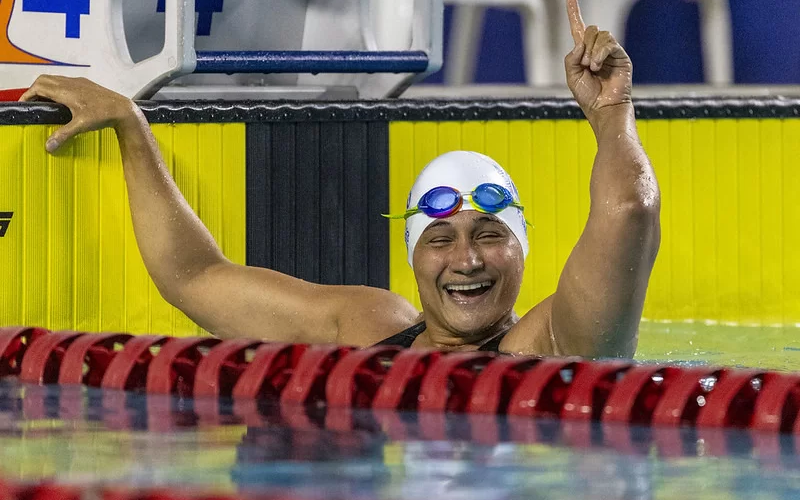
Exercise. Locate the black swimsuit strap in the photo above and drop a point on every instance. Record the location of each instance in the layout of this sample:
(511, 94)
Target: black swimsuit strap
(407, 337)
(494, 344)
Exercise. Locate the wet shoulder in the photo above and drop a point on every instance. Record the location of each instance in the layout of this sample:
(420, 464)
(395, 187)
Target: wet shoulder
(369, 315)
(532, 335)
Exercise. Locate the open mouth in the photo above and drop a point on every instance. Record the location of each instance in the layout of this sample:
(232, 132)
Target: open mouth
(469, 291)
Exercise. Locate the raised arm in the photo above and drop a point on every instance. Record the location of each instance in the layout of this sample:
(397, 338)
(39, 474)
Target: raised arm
(180, 254)
(597, 306)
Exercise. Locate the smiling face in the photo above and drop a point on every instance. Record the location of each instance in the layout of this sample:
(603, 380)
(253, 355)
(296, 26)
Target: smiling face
(469, 271)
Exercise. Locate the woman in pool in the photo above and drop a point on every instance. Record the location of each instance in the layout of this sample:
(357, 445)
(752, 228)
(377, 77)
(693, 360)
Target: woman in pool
(467, 245)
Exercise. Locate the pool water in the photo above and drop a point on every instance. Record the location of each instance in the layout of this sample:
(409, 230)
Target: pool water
(766, 347)
(87, 436)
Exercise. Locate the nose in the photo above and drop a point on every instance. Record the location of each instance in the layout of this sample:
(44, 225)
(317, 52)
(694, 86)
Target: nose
(466, 258)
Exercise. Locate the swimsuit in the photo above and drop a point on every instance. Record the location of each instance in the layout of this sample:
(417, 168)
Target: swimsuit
(407, 337)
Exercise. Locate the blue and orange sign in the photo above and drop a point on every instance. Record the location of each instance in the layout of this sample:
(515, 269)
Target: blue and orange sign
(72, 9)
(10, 53)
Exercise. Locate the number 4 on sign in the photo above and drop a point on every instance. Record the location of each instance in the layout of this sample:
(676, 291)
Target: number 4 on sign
(73, 9)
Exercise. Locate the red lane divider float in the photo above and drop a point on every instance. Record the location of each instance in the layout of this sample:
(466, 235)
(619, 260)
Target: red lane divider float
(128, 370)
(42, 361)
(13, 344)
(172, 370)
(88, 357)
(221, 368)
(388, 378)
(9, 491)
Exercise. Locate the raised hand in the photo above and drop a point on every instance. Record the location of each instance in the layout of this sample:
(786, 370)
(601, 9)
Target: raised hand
(599, 71)
(93, 107)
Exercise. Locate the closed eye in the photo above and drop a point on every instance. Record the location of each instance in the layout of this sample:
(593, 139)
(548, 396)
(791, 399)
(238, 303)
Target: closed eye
(489, 235)
(439, 241)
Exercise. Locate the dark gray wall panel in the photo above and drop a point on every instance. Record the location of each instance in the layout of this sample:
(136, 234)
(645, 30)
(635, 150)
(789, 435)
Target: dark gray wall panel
(315, 195)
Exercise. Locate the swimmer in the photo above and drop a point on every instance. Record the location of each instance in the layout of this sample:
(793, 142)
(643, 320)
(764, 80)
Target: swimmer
(466, 237)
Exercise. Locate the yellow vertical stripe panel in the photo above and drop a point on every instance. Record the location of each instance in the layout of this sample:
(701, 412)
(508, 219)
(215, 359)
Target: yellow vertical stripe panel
(61, 227)
(704, 191)
(682, 215)
(233, 192)
(473, 136)
(749, 194)
(727, 215)
(497, 144)
(73, 262)
(790, 209)
(448, 135)
(567, 218)
(113, 211)
(543, 256)
(771, 222)
(657, 146)
(520, 167)
(12, 245)
(425, 145)
(35, 223)
(86, 285)
(401, 178)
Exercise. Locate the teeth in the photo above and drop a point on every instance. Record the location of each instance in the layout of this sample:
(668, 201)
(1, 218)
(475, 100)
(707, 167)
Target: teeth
(464, 288)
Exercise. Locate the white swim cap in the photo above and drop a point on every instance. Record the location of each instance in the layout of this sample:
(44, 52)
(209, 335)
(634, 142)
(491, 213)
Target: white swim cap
(464, 171)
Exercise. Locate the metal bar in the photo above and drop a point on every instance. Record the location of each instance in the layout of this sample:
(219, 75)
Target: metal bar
(311, 62)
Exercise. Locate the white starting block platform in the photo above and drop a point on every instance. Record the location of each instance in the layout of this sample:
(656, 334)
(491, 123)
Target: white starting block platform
(227, 48)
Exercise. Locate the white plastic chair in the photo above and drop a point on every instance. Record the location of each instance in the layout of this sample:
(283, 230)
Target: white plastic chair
(381, 25)
(545, 51)
(90, 42)
(465, 37)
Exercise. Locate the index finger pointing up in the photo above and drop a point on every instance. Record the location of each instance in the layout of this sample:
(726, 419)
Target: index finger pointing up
(576, 25)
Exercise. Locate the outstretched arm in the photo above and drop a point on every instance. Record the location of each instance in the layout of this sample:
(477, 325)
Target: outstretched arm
(180, 254)
(597, 306)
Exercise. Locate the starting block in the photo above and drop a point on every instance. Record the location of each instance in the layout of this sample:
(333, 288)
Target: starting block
(173, 49)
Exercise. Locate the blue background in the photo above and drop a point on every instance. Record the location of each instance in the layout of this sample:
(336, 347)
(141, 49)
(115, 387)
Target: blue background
(663, 40)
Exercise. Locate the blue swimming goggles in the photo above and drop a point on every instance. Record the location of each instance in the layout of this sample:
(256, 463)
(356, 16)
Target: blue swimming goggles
(444, 201)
